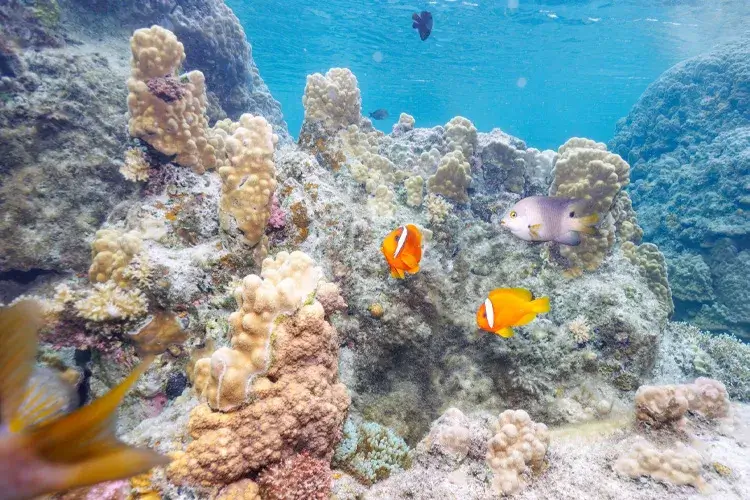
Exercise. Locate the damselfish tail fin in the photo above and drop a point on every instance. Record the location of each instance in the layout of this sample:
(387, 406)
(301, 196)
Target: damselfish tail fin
(84, 441)
(540, 305)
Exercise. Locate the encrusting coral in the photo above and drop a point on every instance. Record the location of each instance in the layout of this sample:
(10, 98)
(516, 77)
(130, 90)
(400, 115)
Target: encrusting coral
(298, 406)
(248, 179)
(660, 406)
(519, 446)
(224, 380)
(679, 465)
(650, 261)
(300, 477)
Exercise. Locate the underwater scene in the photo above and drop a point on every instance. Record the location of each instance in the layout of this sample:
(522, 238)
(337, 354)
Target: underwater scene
(384, 249)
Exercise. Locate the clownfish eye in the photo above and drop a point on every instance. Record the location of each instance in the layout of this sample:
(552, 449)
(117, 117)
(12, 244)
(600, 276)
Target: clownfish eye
(572, 214)
(512, 214)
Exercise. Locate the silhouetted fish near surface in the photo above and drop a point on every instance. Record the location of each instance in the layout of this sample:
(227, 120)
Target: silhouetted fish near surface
(379, 114)
(422, 23)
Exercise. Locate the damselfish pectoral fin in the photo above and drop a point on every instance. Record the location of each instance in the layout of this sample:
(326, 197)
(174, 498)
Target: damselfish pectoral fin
(534, 231)
(397, 273)
(506, 332)
(570, 238)
(525, 320)
(120, 462)
(87, 432)
(19, 327)
(586, 224)
(410, 261)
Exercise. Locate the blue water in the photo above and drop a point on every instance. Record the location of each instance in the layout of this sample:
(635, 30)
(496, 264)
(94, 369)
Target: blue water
(544, 72)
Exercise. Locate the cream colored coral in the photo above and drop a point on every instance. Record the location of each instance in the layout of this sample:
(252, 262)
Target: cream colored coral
(652, 265)
(135, 167)
(414, 190)
(63, 294)
(406, 121)
(223, 380)
(449, 435)
(355, 142)
(519, 446)
(300, 404)
(174, 127)
(708, 398)
(383, 201)
(111, 252)
(107, 302)
(452, 178)
(680, 465)
(380, 170)
(669, 404)
(437, 208)
(580, 330)
(429, 160)
(249, 179)
(461, 135)
(332, 100)
(585, 169)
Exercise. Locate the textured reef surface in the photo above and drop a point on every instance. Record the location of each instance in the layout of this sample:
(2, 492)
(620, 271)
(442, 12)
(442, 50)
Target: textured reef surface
(290, 363)
(688, 142)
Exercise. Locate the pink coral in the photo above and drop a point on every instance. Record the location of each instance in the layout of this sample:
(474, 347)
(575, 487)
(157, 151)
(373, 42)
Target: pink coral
(299, 404)
(300, 477)
(167, 88)
(278, 217)
(329, 296)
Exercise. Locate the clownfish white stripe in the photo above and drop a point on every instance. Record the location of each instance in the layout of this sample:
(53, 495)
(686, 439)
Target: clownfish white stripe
(490, 312)
(401, 241)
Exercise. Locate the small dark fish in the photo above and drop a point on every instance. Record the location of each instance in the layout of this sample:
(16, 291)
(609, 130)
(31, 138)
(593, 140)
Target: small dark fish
(379, 114)
(422, 23)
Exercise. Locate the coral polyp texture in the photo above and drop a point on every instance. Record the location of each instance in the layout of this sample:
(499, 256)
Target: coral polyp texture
(518, 448)
(680, 465)
(585, 169)
(452, 178)
(332, 100)
(659, 406)
(225, 379)
(248, 179)
(299, 405)
(166, 110)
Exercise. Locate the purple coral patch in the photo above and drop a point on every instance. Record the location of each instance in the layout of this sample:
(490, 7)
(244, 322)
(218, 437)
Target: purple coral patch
(167, 88)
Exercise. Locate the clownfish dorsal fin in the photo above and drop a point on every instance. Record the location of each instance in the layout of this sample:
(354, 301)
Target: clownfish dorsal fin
(401, 241)
(489, 310)
(520, 293)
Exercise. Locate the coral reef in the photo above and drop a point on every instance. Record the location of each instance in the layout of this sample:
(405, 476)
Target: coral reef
(519, 445)
(687, 140)
(679, 465)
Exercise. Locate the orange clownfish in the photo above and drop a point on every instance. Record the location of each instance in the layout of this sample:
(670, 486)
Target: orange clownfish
(402, 249)
(507, 307)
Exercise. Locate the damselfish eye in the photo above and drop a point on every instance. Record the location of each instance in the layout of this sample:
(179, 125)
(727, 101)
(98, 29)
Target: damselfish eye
(513, 214)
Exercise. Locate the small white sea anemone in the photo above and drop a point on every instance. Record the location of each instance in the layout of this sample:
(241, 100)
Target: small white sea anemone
(136, 166)
(580, 330)
(107, 301)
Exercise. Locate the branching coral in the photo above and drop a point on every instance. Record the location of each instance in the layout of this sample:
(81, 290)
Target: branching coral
(298, 406)
(585, 169)
(175, 122)
(111, 251)
(680, 465)
(371, 452)
(650, 262)
(249, 179)
(518, 447)
(224, 379)
(332, 100)
(452, 178)
(107, 301)
(136, 166)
